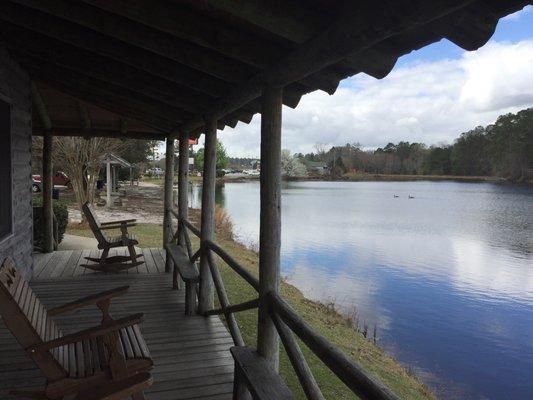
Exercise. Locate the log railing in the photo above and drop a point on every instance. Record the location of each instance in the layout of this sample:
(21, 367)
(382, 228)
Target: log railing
(187, 271)
(288, 324)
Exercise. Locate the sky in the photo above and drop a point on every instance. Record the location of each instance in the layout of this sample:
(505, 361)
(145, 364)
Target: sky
(431, 96)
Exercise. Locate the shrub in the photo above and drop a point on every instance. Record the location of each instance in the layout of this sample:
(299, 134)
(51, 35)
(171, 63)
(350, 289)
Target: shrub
(61, 213)
(223, 224)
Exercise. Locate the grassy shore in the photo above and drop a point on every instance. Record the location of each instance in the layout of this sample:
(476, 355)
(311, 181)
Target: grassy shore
(358, 177)
(337, 328)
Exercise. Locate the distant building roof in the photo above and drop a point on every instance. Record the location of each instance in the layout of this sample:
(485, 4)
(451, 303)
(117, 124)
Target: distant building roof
(115, 160)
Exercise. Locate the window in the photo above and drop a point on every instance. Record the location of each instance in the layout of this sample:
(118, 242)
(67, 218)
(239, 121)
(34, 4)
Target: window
(6, 186)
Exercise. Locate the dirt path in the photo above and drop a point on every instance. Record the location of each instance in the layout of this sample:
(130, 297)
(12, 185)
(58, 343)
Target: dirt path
(143, 202)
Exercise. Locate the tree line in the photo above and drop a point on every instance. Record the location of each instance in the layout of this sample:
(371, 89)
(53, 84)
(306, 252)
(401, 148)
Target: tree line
(503, 149)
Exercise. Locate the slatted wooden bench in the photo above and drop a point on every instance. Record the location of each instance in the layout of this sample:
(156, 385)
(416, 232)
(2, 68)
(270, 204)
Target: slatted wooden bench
(109, 361)
(188, 272)
(263, 382)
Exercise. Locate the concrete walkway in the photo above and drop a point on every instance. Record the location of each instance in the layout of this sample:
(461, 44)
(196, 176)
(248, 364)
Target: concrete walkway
(72, 242)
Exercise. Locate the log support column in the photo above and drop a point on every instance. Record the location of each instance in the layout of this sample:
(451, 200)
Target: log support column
(169, 198)
(47, 174)
(47, 187)
(270, 219)
(183, 191)
(205, 302)
(109, 184)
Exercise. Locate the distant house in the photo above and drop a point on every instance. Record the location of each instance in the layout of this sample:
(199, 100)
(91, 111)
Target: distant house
(317, 167)
(256, 164)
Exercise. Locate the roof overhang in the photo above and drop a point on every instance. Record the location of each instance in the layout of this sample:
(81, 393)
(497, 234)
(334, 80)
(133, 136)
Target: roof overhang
(166, 67)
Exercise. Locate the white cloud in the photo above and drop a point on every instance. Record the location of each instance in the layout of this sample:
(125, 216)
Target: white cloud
(517, 15)
(430, 102)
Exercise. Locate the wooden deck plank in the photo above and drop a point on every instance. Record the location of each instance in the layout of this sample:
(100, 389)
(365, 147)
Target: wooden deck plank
(159, 260)
(143, 268)
(71, 264)
(62, 262)
(191, 354)
(149, 260)
(39, 261)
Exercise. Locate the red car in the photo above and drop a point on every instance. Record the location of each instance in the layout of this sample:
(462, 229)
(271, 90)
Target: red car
(60, 179)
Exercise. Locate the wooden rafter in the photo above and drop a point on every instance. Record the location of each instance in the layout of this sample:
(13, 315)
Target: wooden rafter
(344, 38)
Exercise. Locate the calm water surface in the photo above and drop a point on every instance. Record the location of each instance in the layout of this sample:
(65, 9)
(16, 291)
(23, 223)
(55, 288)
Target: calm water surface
(447, 277)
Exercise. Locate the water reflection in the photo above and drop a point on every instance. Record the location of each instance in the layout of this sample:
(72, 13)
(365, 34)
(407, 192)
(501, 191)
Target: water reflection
(446, 276)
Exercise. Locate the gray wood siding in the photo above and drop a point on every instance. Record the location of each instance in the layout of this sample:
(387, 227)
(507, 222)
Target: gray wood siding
(15, 86)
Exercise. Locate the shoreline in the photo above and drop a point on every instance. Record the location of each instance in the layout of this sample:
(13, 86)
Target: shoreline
(326, 319)
(380, 178)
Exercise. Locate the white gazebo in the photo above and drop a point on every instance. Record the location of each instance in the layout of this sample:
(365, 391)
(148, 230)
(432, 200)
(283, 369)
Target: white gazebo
(113, 163)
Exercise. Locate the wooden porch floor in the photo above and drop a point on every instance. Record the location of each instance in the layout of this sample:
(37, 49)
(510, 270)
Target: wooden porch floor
(191, 354)
(66, 263)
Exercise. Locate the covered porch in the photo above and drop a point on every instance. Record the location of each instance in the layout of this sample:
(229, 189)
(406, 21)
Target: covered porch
(173, 72)
(191, 354)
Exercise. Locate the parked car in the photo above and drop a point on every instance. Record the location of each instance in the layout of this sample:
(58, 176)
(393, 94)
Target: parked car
(155, 171)
(60, 179)
(36, 183)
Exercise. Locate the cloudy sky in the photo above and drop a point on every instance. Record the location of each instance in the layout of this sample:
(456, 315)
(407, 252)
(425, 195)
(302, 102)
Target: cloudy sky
(431, 96)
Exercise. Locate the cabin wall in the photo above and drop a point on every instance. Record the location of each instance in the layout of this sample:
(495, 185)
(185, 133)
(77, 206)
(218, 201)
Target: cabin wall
(15, 89)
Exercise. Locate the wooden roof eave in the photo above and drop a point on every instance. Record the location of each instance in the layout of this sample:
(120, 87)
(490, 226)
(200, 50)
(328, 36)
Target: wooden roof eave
(345, 40)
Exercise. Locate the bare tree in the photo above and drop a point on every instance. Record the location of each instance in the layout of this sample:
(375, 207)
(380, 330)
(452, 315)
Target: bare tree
(81, 161)
(321, 149)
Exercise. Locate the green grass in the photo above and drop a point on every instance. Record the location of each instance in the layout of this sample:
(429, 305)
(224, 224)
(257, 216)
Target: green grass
(156, 181)
(399, 177)
(161, 181)
(149, 235)
(324, 319)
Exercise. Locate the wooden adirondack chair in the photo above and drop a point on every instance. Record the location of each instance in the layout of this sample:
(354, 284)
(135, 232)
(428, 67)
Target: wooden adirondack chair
(108, 361)
(105, 243)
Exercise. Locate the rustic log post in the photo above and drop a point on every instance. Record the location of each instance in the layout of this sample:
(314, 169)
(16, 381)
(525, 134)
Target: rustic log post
(183, 187)
(205, 302)
(270, 219)
(109, 184)
(169, 203)
(183, 177)
(46, 179)
(47, 187)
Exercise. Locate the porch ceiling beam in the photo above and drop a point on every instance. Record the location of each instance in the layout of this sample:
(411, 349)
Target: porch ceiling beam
(100, 69)
(298, 24)
(47, 71)
(287, 19)
(117, 100)
(93, 42)
(85, 117)
(100, 132)
(113, 49)
(104, 69)
(140, 35)
(104, 102)
(344, 38)
(211, 34)
(40, 106)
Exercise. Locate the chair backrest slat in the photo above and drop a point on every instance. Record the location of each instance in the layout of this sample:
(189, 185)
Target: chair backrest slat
(27, 319)
(94, 224)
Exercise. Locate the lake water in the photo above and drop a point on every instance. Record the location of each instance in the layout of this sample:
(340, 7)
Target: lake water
(446, 276)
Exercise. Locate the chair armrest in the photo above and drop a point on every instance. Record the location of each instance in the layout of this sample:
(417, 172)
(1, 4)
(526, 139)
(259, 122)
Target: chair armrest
(86, 334)
(87, 301)
(117, 226)
(117, 390)
(118, 222)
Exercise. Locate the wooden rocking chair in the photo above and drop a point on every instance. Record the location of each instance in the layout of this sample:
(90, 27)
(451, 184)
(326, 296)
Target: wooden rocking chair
(109, 361)
(105, 243)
